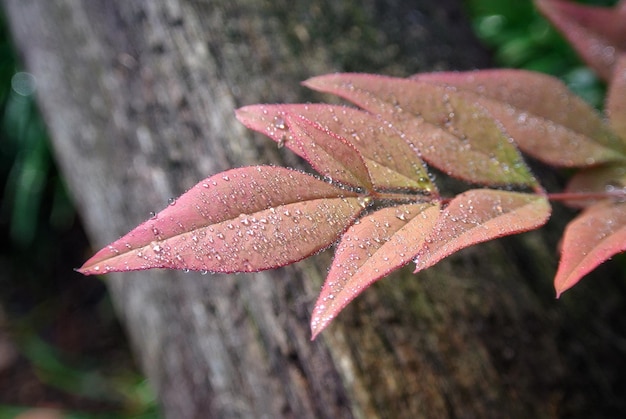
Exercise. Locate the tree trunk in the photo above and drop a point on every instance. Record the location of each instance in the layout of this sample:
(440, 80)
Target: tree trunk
(139, 98)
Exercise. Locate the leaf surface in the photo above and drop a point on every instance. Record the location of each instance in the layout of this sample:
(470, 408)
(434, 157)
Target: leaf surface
(328, 153)
(597, 33)
(241, 220)
(545, 119)
(616, 98)
(380, 243)
(389, 160)
(480, 215)
(589, 240)
(452, 133)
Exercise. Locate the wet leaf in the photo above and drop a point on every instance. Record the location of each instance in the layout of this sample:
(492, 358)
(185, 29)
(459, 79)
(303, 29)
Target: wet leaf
(379, 244)
(480, 215)
(452, 133)
(328, 153)
(241, 220)
(616, 100)
(389, 160)
(544, 118)
(597, 33)
(589, 240)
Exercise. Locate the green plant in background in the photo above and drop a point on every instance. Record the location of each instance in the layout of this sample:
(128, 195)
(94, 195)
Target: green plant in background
(40, 293)
(521, 37)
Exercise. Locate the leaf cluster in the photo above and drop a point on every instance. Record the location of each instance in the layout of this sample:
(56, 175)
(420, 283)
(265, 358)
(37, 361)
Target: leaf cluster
(374, 195)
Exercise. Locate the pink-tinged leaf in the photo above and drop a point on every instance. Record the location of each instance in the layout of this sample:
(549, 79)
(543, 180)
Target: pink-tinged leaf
(390, 161)
(241, 220)
(451, 133)
(604, 181)
(616, 98)
(589, 240)
(328, 153)
(545, 119)
(480, 215)
(379, 244)
(597, 33)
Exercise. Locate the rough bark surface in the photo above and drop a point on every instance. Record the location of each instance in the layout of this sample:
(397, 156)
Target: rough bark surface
(139, 98)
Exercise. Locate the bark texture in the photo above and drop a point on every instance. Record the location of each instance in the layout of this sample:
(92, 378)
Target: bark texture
(139, 97)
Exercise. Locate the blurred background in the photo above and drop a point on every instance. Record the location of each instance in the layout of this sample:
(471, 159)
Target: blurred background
(61, 347)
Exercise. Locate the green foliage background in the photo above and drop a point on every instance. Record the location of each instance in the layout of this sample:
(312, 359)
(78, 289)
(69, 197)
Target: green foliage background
(522, 38)
(62, 345)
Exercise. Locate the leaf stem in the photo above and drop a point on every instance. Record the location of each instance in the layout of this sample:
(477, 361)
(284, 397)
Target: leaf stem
(618, 194)
(405, 196)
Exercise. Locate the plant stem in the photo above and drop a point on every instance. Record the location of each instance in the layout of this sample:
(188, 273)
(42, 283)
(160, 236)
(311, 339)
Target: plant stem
(619, 194)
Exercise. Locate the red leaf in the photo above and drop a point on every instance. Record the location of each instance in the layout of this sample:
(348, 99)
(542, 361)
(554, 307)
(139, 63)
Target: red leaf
(480, 215)
(616, 98)
(390, 161)
(603, 180)
(589, 240)
(328, 153)
(452, 133)
(545, 119)
(241, 220)
(597, 33)
(379, 244)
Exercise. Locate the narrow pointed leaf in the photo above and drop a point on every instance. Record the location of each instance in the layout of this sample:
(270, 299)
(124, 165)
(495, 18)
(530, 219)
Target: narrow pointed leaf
(390, 161)
(329, 154)
(604, 180)
(379, 244)
(597, 33)
(545, 119)
(452, 133)
(480, 215)
(241, 220)
(616, 100)
(589, 240)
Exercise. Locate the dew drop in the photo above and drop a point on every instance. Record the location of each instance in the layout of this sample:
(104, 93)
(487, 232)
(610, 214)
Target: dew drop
(152, 215)
(171, 201)
(364, 201)
(279, 123)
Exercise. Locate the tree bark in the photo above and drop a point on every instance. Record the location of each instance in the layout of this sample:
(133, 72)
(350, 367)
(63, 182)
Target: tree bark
(139, 98)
